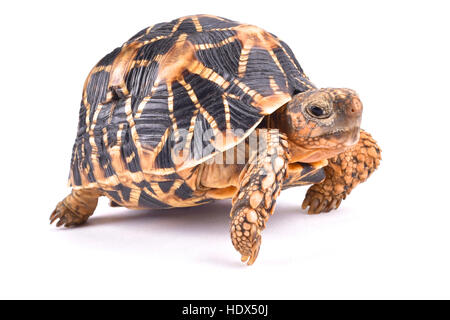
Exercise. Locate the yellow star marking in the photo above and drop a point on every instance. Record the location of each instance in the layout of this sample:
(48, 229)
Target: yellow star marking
(304, 83)
(161, 143)
(105, 137)
(277, 62)
(232, 96)
(155, 39)
(98, 172)
(119, 135)
(145, 62)
(177, 25)
(227, 112)
(200, 109)
(208, 74)
(101, 68)
(221, 29)
(148, 30)
(144, 101)
(253, 93)
(198, 26)
(170, 107)
(274, 86)
(190, 132)
(130, 158)
(205, 46)
(243, 59)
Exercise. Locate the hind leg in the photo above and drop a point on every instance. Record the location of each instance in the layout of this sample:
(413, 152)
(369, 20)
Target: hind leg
(76, 208)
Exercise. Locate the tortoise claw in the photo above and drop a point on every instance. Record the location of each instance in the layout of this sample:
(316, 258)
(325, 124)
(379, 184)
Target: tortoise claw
(244, 258)
(66, 217)
(318, 202)
(254, 252)
(53, 216)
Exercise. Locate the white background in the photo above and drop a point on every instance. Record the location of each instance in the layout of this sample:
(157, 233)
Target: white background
(389, 239)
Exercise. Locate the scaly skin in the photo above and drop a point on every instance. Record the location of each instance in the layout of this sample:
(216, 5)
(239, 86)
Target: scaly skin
(343, 174)
(260, 184)
(76, 208)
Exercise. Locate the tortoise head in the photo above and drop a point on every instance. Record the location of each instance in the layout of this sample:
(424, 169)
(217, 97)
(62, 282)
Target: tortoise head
(322, 123)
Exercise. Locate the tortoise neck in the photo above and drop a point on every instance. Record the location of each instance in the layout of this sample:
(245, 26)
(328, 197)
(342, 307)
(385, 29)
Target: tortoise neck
(278, 120)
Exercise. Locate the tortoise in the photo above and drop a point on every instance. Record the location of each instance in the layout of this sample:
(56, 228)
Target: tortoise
(204, 108)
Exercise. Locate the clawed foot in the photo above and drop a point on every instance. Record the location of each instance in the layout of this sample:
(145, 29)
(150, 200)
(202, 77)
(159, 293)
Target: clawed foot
(246, 235)
(254, 252)
(249, 255)
(319, 202)
(66, 217)
(343, 173)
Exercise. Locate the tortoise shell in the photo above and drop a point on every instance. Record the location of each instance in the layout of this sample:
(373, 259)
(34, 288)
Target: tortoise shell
(194, 75)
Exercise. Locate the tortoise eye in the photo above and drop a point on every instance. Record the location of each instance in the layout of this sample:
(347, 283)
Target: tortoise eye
(317, 111)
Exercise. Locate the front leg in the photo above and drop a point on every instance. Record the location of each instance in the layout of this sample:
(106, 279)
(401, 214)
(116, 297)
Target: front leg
(343, 174)
(259, 185)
